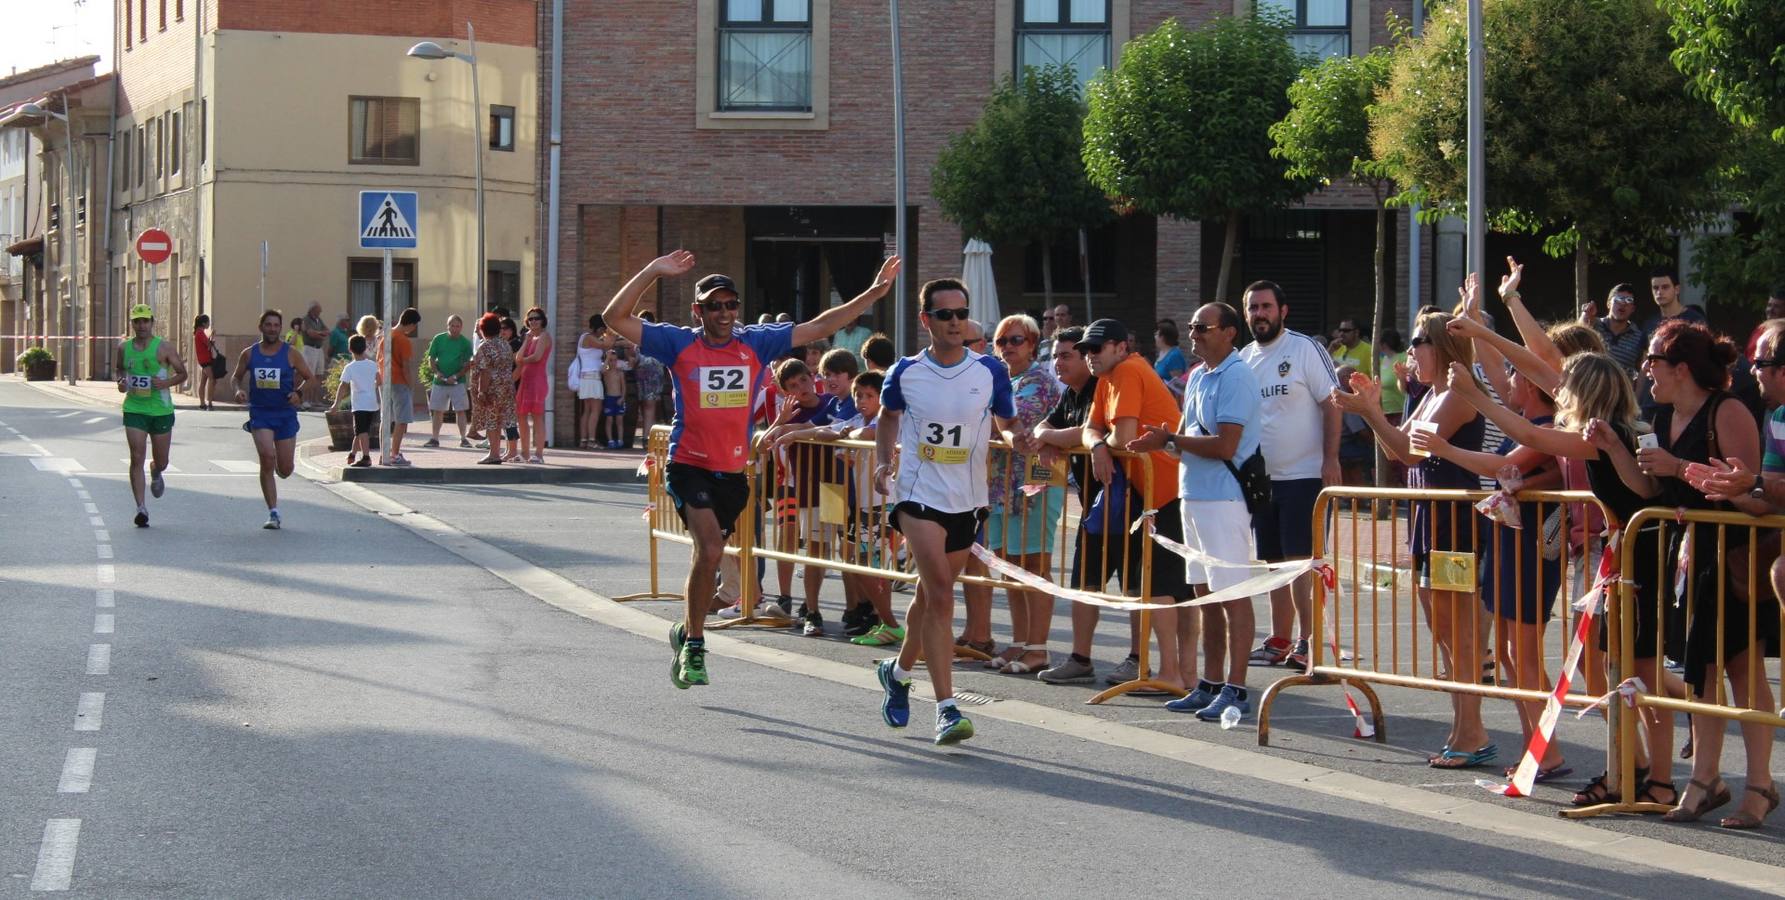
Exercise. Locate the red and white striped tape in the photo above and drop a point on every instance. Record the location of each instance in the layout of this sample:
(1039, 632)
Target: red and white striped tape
(1525, 777)
(1330, 576)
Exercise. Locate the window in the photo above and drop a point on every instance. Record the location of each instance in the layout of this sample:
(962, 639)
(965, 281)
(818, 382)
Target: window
(1072, 33)
(142, 21)
(175, 138)
(163, 4)
(179, 10)
(502, 284)
(160, 144)
(129, 24)
(1322, 27)
(124, 160)
(502, 128)
(142, 155)
(204, 153)
(384, 131)
(765, 55)
(365, 286)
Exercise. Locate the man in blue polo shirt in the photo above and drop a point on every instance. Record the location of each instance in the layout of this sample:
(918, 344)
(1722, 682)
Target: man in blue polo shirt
(1219, 433)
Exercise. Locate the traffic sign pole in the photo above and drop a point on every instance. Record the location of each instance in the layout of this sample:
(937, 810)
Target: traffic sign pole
(390, 399)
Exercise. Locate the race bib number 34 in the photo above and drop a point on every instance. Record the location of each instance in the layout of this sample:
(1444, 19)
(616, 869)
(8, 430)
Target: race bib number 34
(942, 443)
(266, 377)
(723, 387)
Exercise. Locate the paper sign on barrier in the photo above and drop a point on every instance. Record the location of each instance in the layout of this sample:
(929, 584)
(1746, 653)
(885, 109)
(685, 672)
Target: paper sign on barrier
(833, 506)
(1453, 571)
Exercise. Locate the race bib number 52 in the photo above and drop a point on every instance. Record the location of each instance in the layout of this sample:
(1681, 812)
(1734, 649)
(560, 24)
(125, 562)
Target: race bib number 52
(266, 377)
(723, 387)
(942, 443)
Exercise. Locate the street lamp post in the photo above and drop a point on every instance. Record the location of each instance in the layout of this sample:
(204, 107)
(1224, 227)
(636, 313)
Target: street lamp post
(70, 218)
(431, 50)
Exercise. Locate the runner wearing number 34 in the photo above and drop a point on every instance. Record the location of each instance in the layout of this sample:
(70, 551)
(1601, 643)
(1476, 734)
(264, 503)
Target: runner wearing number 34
(717, 369)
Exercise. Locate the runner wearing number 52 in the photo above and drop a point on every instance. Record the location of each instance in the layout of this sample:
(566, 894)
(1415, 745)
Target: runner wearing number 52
(717, 369)
(149, 367)
(941, 407)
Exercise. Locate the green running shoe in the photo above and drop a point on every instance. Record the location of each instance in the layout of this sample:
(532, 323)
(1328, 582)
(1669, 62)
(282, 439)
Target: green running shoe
(880, 636)
(694, 663)
(677, 638)
(951, 726)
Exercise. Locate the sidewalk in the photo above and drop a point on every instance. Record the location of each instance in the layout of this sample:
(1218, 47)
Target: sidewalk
(446, 465)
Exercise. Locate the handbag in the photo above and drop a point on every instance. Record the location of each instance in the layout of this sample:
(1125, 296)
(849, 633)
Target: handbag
(1255, 482)
(219, 365)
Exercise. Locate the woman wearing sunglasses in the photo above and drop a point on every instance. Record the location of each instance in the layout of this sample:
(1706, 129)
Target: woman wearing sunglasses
(529, 401)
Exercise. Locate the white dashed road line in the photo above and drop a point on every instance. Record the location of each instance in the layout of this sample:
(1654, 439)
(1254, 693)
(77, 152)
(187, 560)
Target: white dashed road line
(99, 659)
(105, 551)
(104, 598)
(55, 857)
(107, 573)
(90, 714)
(102, 623)
(77, 770)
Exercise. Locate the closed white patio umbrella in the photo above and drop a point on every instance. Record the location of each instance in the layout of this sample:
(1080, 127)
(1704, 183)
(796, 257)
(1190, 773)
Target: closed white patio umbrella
(982, 290)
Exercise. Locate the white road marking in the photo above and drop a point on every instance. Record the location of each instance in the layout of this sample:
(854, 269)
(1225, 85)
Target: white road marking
(171, 469)
(96, 522)
(55, 857)
(44, 462)
(64, 415)
(107, 574)
(238, 466)
(83, 495)
(101, 535)
(105, 551)
(74, 483)
(92, 509)
(99, 659)
(77, 770)
(93, 421)
(91, 712)
(102, 623)
(104, 598)
(176, 471)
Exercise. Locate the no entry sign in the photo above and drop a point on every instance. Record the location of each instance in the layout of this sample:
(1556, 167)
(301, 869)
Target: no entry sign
(154, 246)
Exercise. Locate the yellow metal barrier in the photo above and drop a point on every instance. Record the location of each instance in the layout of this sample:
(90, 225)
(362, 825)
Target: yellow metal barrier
(1377, 622)
(1728, 586)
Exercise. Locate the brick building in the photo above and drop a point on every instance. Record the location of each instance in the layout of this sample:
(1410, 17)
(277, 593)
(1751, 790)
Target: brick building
(758, 133)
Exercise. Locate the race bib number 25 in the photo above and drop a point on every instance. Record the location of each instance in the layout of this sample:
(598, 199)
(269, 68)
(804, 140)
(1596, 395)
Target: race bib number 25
(723, 387)
(141, 384)
(943, 443)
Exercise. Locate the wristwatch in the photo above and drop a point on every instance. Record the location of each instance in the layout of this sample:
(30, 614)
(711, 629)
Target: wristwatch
(1758, 492)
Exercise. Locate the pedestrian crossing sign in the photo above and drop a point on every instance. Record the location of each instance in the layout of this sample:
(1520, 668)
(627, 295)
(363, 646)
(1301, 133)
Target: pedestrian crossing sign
(387, 220)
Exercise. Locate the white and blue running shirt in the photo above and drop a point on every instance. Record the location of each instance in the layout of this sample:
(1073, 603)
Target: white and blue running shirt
(945, 425)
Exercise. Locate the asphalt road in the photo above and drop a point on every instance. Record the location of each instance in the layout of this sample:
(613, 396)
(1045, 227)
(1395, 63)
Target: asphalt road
(346, 709)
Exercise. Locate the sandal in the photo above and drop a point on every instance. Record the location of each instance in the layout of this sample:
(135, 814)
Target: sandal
(1457, 759)
(1018, 667)
(1743, 821)
(1599, 790)
(1710, 802)
(1646, 794)
(997, 663)
(986, 647)
(1561, 770)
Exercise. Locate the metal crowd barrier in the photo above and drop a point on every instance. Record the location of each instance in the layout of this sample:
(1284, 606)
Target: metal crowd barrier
(1378, 631)
(816, 506)
(1734, 591)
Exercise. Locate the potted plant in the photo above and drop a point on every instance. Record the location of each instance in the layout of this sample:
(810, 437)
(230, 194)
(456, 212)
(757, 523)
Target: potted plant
(340, 421)
(38, 364)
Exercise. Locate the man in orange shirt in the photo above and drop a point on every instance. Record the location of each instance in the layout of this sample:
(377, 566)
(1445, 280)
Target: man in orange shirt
(402, 380)
(1131, 395)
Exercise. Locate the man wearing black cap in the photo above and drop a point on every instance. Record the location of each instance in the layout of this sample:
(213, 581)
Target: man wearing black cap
(717, 370)
(1130, 397)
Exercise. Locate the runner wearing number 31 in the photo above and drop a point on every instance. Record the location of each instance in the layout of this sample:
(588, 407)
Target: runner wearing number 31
(941, 407)
(717, 369)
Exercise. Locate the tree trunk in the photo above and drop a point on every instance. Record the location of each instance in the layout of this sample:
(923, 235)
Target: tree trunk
(1376, 324)
(1580, 276)
(1047, 277)
(1227, 254)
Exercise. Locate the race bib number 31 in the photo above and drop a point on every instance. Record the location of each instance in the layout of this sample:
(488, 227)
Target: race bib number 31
(942, 443)
(724, 387)
(266, 377)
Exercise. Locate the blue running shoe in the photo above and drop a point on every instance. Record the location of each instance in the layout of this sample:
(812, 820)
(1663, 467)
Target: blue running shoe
(1227, 698)
(951, 726)
(677, 637)
(895, 708)
(1195, 701)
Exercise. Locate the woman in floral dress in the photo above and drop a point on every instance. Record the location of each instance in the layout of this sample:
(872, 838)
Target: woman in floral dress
(492, 374)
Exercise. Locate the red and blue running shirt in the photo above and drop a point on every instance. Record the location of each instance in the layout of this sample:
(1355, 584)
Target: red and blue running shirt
(716, 386)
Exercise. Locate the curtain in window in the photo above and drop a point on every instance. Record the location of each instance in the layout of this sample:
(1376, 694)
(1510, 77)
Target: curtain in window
(1085, 53)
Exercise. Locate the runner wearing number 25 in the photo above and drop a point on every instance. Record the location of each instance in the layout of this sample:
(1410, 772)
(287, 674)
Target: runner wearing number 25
(717, 369)
(149, 367)
(941, 407)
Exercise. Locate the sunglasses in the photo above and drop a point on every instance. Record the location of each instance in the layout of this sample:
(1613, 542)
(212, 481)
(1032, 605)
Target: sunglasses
(1657, 358)
(1348, 331)
(1201, 328)
(947, 315)
(536, 318)
(716, 305)
(1012, 340)
(1775, 363)
(1420, 341)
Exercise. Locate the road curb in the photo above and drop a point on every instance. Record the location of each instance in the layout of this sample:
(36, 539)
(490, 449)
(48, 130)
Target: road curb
(503, 474)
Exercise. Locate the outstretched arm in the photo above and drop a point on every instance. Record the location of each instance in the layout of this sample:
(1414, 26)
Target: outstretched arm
(832, 320)
(619, 314)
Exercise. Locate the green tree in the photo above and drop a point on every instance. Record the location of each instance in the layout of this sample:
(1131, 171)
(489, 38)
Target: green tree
(1018, 174)
(1181, 127)
(1326, 137)
(1733, 53)
(1592, 137)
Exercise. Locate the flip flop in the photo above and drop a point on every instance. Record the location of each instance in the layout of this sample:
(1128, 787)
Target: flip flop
(1457, 759)
(1543, 775)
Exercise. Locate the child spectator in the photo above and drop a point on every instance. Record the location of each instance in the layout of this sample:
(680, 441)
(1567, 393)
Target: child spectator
(613, 389)
(360, 381)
